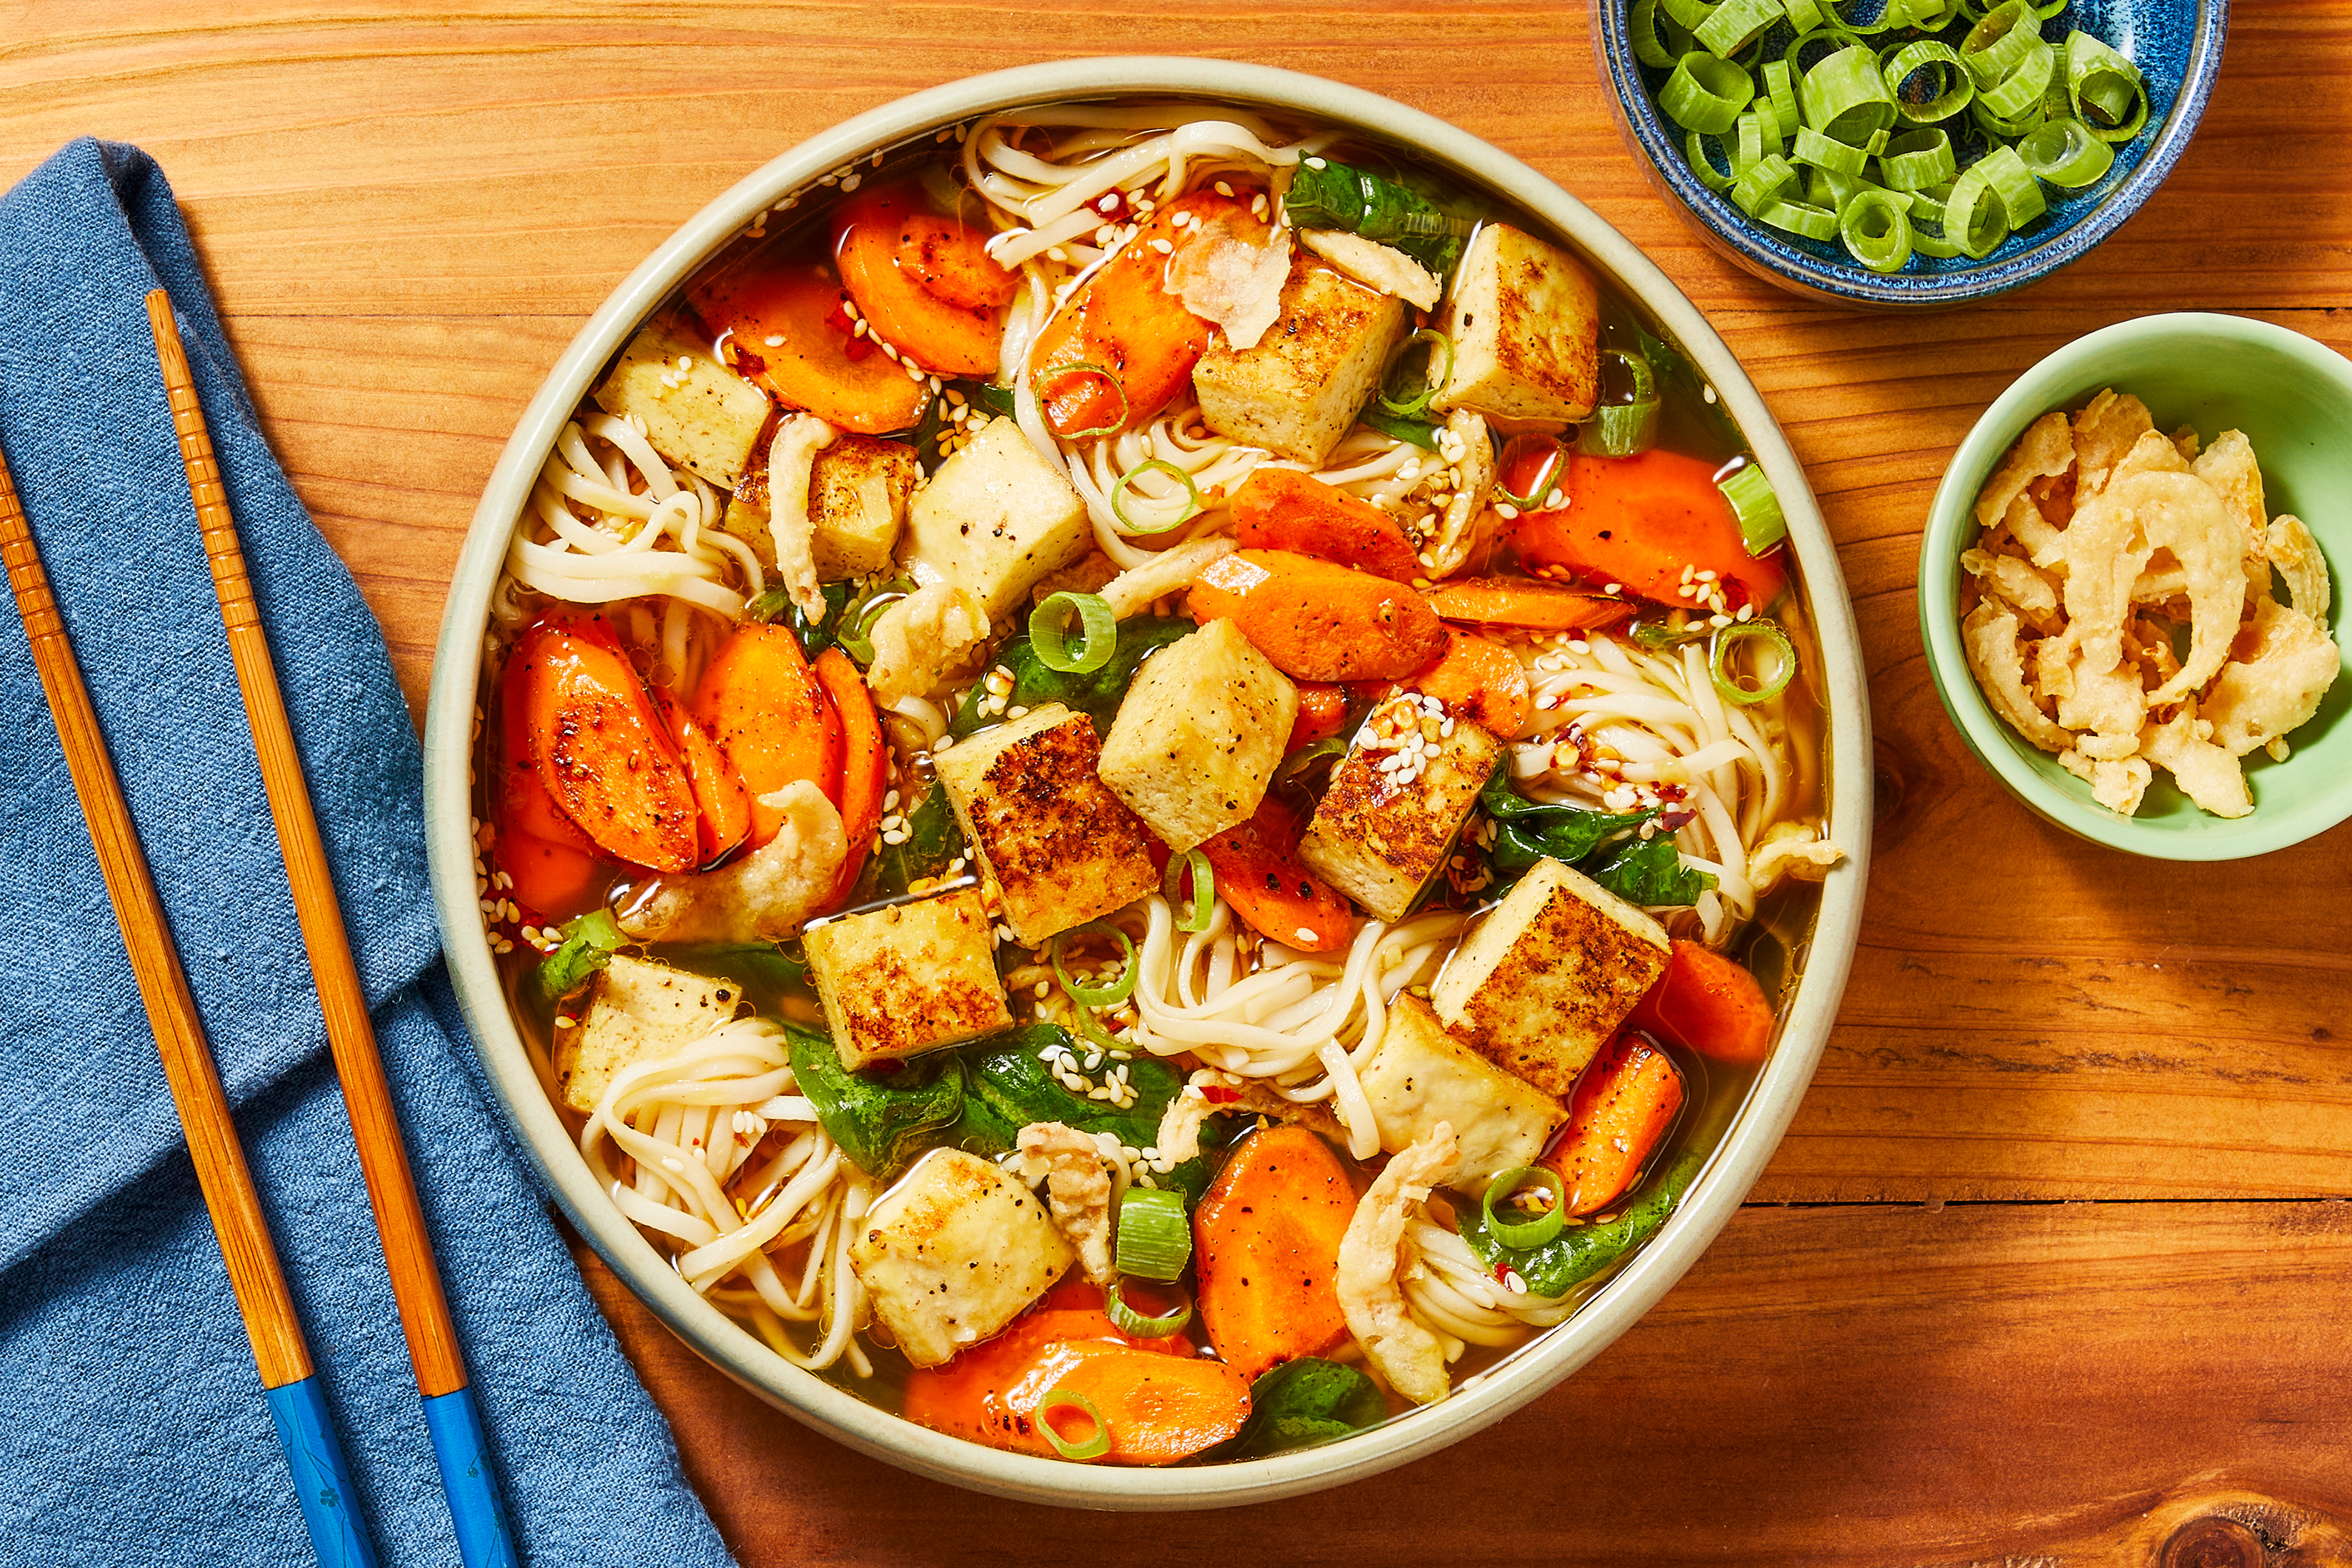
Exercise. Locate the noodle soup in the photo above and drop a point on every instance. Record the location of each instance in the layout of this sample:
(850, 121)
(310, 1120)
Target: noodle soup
(1149, 781)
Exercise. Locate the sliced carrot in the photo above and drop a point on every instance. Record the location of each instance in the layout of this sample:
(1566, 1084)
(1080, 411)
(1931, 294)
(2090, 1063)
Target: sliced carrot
(1641, 522)
(1317, 621)
(1282, 509)
(864, 758)
(771, 719)
(1624, 1104)
(1267, 1235)
(1710, 1003)
(1142, 340)
(555, 873)
(783, 317)
(1259, 873)
(1526, 602)
(1480, 679)
(1322, 713)
(722, 805)
(599, 746)
(895, 259)
(1157, 1401)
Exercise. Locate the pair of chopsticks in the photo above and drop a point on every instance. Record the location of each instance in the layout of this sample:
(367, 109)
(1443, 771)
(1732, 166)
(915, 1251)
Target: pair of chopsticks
(297, 1406)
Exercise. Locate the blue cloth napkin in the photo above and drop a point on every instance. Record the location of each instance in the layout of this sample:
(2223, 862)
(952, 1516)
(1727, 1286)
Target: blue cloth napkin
(136, 1430)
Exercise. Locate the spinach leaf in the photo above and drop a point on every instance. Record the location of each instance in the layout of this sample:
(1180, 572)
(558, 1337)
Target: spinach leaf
(933, 839)
(1098, 694)
(1007, 1086)
(1647, 872)
(1338, 195)
(1421, 433)
(589, 943)
(1582, 1251)
(1601, 844)
(814, 636)
(881, 1123)
(765, 970)
(1302, 1402)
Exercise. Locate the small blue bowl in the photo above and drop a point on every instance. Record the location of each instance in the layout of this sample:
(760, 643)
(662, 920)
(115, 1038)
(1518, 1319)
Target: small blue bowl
(2177, 44)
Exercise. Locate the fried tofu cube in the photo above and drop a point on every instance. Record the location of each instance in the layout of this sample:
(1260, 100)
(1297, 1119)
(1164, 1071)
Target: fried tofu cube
(1299, 390)
(953, 1253)
(1545, 981)
(908, 978)
(637, 1012)
(697, 412)
(1382, 833)
(1525, 318)
(995, 519)
(1059, 847)
(1199, 734)
(858, 489)
(1420, 1075)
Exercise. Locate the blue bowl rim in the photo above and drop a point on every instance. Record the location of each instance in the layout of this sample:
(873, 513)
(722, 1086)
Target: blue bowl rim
(1852, 284)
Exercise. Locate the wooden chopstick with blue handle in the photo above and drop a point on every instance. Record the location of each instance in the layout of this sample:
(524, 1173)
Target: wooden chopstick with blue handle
(485, 1539)
(295, 1407)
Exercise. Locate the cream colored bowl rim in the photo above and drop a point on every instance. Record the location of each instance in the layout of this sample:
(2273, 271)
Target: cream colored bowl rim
(1729, 1172)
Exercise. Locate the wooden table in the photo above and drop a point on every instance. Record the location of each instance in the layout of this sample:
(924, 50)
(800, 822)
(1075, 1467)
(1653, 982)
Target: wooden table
(2055, 1258)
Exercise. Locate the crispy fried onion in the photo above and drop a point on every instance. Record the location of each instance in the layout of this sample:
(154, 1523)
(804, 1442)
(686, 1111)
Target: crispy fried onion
(1231, 281)
(1077, 1188)
(763, 897)
(925, 640)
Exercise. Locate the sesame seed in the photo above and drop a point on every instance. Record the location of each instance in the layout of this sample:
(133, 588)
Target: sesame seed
(852, 183)
(1224, 189)
(774, 342)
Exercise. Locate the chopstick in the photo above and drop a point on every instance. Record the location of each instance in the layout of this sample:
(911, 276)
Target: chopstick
(321, 1482)
(485, 1539)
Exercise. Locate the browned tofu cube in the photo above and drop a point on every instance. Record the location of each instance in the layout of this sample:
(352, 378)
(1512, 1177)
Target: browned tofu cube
(638, 1011)
(1524, 320)
(1299, 390)
(908, 978)
(1198, 736)
(1544, 981)
(952, 1253)
(1420, 1075)
(1059, 847)
(859, 488)
(1397, 802)
(695, 410)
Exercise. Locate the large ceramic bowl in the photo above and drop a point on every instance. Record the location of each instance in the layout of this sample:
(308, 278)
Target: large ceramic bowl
(2292, 397)
(2177, 44)
(1760, 1120)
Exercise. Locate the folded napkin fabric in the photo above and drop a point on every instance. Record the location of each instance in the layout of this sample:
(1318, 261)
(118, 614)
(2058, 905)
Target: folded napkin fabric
(136, 1430)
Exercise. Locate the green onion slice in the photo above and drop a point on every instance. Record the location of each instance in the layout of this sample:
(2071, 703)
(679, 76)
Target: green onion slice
(1728, 681)
(1734, 25)
(1622, 429)
(1846, 97)
(1939, 67)
(1702, 165)
(1109, 996)
(1973, 217)
(1649, 44)
(1817, 150)
(1551, 464)
(2021, 193)
(1799, 218)
(1134, 1325)
(1058, 1399)
(1762, 182)
(1997, 42)
(1690, 14)
(1098, 633)
(1780, 88)
(1705, 92)
(1547, 1224)
(1152, 465)
(1804, 16)
(1297, 765)
(1440, 366)
(1192, 914)
(1761, 523)
(1087, 367)
(1917, 159)
(1877, 229)
(2019, 93)
(2065, 154)
(1155, 1235)
(2108, 94)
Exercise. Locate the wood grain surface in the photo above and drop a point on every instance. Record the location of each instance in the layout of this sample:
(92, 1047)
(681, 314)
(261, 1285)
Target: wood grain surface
(2048, 1268)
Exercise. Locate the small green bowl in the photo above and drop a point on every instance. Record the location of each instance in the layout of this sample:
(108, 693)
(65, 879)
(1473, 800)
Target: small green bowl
(2292, 397)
